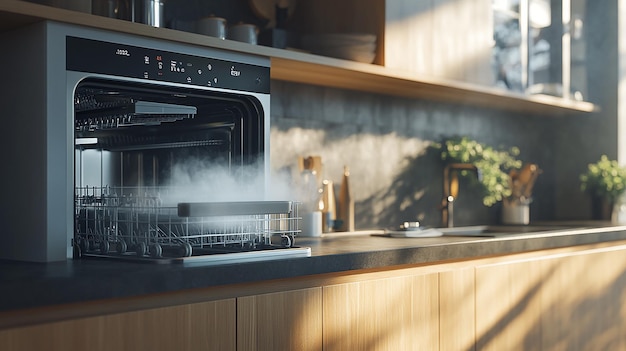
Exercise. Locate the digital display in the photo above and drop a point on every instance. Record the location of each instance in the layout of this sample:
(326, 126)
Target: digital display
(93, 56)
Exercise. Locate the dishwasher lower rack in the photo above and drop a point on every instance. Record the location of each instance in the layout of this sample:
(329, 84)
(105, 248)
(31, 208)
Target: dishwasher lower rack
(136, 224)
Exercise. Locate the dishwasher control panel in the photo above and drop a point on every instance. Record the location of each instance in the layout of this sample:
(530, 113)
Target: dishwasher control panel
(95, 56)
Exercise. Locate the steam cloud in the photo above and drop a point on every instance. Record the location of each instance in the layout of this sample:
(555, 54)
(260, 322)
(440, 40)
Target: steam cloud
(202, 181)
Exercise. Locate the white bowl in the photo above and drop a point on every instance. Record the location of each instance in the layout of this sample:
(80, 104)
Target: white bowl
(347, 54)
(315, 40)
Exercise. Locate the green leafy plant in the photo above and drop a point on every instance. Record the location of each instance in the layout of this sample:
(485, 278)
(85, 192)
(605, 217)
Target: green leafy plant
(492, 163)
(605, 179)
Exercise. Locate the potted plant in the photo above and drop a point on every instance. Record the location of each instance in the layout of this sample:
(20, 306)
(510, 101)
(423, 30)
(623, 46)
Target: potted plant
(492, 163)
(605, 181)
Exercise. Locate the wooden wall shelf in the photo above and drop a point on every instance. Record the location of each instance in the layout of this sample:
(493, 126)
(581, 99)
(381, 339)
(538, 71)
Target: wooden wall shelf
(311, 69)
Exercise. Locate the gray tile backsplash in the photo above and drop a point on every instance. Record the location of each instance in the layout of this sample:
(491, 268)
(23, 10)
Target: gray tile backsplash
(384, 140)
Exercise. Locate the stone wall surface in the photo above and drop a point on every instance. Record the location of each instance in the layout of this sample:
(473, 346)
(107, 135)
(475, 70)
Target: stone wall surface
(385, 140)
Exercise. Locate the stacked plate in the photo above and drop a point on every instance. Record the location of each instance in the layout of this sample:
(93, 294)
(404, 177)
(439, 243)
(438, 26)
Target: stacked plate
(356, 47)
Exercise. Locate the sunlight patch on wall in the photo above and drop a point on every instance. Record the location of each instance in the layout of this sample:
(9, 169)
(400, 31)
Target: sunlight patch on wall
(374, 160)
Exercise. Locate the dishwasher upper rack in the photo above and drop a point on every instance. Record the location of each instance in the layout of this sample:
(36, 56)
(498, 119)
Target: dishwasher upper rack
(132, 221)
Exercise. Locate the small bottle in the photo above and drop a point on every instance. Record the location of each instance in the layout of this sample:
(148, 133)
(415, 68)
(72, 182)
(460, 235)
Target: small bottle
(329, 210)
(346, 203)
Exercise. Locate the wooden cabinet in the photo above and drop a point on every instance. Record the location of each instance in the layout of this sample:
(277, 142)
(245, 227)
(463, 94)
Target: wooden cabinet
(299, 67)
(562, 299)
(290, 320)
(565, 302)
(583, 301)
(569, 299)
(457, 309)
(440, 38)
(433, 38)
(199, 326)
(508, 306)
(345, 16)
(396, 313)
(434, 49)
(410, 310)
(399, 313)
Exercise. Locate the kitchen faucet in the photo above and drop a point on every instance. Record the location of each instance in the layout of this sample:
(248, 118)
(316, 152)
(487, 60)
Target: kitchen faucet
(451, 189)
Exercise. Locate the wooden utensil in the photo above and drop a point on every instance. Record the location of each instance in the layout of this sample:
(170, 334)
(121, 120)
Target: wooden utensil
(526, 173)
(528, 189)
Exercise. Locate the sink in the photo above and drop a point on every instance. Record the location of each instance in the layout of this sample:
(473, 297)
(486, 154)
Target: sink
(501, 230)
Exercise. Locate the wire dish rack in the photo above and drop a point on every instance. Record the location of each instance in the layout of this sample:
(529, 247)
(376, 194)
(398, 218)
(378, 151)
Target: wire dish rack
(136, 222)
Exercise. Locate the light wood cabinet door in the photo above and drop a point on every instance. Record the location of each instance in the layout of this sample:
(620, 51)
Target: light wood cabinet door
(572, 301)
(508, 306)
(290, 320)
(400, 313)
(199, 326)
(584, 301)
(457, 310)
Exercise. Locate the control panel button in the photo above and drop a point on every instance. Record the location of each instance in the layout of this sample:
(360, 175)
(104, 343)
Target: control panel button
(234, 72)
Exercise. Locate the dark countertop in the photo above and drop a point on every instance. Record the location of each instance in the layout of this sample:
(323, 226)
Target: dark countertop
(28, 285)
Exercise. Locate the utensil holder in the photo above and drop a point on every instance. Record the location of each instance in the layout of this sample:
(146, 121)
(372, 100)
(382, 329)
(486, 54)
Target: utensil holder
(515, 213)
